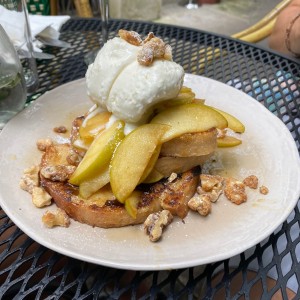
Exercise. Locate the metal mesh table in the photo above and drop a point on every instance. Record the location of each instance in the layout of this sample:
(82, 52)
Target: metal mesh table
(31, 271)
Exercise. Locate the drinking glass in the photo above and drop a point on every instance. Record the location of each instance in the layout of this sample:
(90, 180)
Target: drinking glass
(103, 7)
(20, 33)
(104, 10)
(12, 82)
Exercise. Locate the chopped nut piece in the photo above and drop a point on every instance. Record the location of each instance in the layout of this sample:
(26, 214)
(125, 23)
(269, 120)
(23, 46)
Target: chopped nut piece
(42, 144)
(60, 129)
(172, 177)
(263, 190)
(58, 173)
(155, 48)
(40, 198)
(131, 37)
(149, 37)
(74, 158)
(155, 223)
(201, 204)
(152, 46)
(251, 181)
(30, 179)
(215, 194)
(56, 218)
(212, 184)
(235, 191)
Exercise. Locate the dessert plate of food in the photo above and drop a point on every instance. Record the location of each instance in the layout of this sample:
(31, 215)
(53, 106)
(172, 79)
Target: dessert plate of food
(140, 166)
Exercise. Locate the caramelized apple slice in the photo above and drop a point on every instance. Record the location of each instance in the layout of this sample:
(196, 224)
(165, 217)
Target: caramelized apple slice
(185, 96)
(90, 186)
(94, 125)
(228, 141)
(233, 123)
(185, 89)
(132, 202)
(189, 118)
(151, 163)
(132, 157)
(99, 153)
(154, 176)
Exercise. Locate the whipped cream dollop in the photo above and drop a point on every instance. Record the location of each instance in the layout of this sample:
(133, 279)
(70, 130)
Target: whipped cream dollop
(117, 82)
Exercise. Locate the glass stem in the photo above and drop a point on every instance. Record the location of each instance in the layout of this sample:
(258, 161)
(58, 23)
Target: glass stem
(104, 9)
(31, 74)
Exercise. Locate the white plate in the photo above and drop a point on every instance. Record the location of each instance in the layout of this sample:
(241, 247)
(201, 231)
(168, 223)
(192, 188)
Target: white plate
(268, 150)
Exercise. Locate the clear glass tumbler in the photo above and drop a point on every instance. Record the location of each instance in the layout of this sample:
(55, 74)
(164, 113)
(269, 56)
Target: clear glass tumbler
(12, 83)
(18, 29)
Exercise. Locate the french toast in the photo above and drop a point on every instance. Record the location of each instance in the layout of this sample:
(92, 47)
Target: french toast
(102, 209)
(191, 144)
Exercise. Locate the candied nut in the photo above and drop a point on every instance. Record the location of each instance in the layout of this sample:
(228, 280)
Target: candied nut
(74, 158)
(251, 181)
(155, 223)
(131, 37)
(200, 190)
(30, 179)
(235, 191)
(214, 195)
(58, 173)
(172, 177)
(145, 57)
(263, 190)
(42, 144)
(155, 48)
(149, 37)
(40, 198)
(201, 204)
(56, 218)
(158, 47)
(212, 184)
(60, 129)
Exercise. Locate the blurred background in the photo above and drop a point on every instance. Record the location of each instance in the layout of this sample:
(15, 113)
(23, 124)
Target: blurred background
(219, 16)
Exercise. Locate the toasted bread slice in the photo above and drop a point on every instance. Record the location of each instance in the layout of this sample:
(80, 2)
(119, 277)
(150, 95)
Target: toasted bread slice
(175, 195)
(186, 152)
(191, 144)
(102, 209)
(168, 165)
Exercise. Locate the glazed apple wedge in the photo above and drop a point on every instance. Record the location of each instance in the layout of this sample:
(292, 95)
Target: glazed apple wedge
(228, 141)
(132, 156)
(90, 129)
(99, 153)
(92, 185)
(233, 123)
(189, 118)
